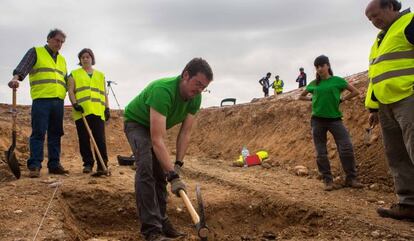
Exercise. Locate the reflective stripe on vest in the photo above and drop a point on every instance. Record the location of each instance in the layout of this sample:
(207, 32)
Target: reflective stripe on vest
(47, 77)
(391, 70)
(89, 93)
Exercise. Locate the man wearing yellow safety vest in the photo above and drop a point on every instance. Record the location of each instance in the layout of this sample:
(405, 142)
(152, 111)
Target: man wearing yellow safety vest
(278, 85)
(47, 77)
(390, 97)
(86, 89)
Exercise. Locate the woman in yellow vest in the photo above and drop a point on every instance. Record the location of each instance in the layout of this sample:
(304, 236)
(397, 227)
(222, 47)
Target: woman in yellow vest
(86, 88)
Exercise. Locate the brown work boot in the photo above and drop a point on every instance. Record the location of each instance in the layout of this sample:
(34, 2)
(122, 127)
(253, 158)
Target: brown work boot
(329, 186)
(58, 171)
(397, 211)
(157, 237)
(353, 183)
(34, 172)
(170, 232)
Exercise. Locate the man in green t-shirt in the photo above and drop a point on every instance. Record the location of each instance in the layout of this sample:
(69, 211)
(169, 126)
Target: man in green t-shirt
(160, 106)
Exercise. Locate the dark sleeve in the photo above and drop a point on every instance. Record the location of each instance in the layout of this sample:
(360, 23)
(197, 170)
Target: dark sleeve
(409, 32)
(26, 64)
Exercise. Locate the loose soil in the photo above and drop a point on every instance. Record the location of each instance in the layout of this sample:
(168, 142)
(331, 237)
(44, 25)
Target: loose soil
(267, 202)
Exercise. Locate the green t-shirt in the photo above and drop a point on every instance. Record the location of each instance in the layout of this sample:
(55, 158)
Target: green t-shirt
(326, 97)
(164, 97)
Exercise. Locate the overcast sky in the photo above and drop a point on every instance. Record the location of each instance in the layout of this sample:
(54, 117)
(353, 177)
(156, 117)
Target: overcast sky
(138, 41)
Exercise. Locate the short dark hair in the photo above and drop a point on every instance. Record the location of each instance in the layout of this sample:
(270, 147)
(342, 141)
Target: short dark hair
(89, 51)
(198, 65)
(396, 5)
(268, 74)
(55, 32)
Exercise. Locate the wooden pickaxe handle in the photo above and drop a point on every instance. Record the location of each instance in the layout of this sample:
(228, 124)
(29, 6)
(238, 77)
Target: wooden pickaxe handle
(94, 144)
(190, 208)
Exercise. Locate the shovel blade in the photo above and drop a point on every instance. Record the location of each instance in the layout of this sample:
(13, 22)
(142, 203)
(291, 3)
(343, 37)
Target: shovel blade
(12, 162)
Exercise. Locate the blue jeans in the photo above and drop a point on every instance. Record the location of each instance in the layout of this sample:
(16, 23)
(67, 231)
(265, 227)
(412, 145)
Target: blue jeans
(343, 143)
(47, 116)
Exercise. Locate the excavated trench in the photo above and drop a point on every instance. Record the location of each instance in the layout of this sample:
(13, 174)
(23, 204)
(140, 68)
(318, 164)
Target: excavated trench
(235, 215)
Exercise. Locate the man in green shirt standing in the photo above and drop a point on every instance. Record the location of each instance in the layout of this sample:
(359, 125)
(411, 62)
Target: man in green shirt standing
(160, 106)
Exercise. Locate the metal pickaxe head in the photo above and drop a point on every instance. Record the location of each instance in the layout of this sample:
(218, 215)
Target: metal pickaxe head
(201, 226)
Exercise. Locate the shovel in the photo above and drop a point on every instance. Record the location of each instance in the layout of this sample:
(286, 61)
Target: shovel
(198, 220)
(105, 169)
(10, 155)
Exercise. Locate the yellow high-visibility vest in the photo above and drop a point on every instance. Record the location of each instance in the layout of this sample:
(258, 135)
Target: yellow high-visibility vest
(89, 93)
(278, 85)
(47, 78)
(391, 69)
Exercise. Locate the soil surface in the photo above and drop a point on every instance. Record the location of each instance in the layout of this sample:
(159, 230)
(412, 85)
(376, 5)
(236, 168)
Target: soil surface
(271, 201)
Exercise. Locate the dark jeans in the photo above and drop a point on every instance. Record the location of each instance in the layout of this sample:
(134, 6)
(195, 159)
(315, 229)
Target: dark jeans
(397, 125)
(47, 116)
(265, 91)
(150, 182)
(97, 126)
(343, 143)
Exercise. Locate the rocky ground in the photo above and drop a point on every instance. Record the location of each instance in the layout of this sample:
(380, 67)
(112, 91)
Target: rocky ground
(272, 201)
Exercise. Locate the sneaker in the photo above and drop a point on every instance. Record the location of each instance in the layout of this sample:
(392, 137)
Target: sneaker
(34, 172)
(170, 232)
(99, 173)
(59, 171)
(353, 183)
(87, 169)
(329, 186)
(397, 211)
(157, 237)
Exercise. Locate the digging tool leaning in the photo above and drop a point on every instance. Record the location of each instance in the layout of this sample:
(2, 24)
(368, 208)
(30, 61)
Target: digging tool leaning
(95, 146)
(10, 155)
(198, 220)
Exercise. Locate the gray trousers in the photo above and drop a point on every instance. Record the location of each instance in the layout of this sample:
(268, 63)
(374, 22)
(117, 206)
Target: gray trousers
(343, 143)
(150, 181)
(397, 125)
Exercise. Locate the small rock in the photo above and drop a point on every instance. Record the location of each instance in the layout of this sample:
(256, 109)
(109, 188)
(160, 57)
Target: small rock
(380, 202)
(18, 211)
(269, 235)
(374, 187)
(93, 181)
(301, 170)
(179, 210)
(375, 234)
(11, 184)
(121, 173)
(266, 165)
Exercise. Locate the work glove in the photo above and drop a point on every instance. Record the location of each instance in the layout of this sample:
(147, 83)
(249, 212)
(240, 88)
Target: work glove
(78, 107)
(177, 166)
(107, 114)
(177, 185)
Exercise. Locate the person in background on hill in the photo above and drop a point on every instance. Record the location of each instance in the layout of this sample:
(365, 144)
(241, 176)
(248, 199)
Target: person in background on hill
(326, 92)
(46, 68)
(390, 97)
(264, 82)
(163, 104)
(301, 79)
(278, 85)
(87, 93)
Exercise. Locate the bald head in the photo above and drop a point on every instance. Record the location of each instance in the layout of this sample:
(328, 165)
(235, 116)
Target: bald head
(382, 13)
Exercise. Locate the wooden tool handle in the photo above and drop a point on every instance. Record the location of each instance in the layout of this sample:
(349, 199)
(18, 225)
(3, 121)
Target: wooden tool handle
(94, 143)
(190, 208)
(14, 111)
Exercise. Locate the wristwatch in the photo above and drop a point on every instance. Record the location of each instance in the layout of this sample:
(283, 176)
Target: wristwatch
(171, 175)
